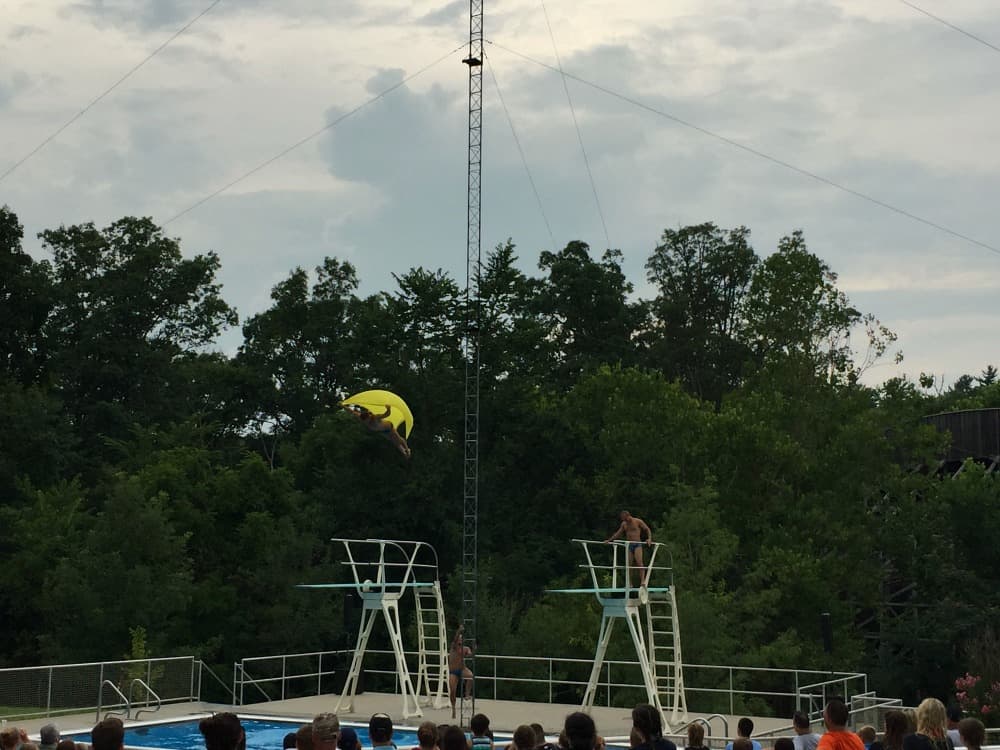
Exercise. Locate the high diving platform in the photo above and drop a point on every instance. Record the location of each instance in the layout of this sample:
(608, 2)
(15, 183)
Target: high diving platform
(384, 572)
(645, 599)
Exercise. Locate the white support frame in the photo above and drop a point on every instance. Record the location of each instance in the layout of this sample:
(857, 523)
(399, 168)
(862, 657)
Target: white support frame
(635, 605)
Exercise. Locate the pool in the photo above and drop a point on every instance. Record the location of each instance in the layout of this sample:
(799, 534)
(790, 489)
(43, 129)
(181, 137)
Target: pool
(262, 734)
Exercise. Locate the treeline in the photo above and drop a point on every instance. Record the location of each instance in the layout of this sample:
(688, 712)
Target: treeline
(156, 489)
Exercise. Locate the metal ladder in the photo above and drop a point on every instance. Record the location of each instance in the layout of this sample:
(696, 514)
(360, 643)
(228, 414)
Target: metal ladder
(664, 642)
(433, 659)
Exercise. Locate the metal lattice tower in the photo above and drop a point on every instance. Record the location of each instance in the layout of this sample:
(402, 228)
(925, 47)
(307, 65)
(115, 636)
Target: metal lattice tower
(470, 346)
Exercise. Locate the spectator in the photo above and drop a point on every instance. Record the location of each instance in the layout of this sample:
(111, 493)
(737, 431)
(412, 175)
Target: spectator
(454, 739)
(380, 730)
(539, 734)
(348, 740)
(647, 722)
(895, 731)
(911, 720)
(931, 728)
(523, 739)
(304, 738)
(482, 737)
(11, 737)
(971, 733)
(108, 734)
(954, 717)
(222, 731)
(427, 736)
(581, 734)
(744, 728)
(805, 738)
(325, 731)
(867, 735)
(837, 736)
(28, 746)
(695, 737)
(743, 743)
(784, 743)
(48, 737)
(289, 742)
(66, 745)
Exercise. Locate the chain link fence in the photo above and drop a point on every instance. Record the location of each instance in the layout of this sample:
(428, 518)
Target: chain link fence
(37, 692)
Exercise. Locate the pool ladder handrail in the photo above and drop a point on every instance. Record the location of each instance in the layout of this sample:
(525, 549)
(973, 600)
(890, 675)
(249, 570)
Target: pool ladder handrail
(128, 702)
(150, 693)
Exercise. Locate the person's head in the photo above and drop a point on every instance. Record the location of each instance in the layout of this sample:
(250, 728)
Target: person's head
(539, 734)
(66, 745)
(742, 743)
(911, 720)
(867, 734)
(380, 729)
(801, 723)
(288, 742)
(744, 727)
(10, 737)
(454, 739)
(635, 738)
(624, 516)
(29, 746)
(972, 732)
(325, 731)
(696, 735)
(479, 724)
(427, 734)
(783, 743)
(954, 716)
(581, 733)
(524, 737)
(835, 715)
(304, 738)
(222, 731)
(896, 728)
(647, 720)
(49, 735)
(931, 717)
(348, 740)
(108, 734)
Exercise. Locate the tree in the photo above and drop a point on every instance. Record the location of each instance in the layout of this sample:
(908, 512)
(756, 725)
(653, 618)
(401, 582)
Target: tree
(25, 300)
(702, 274)
(126, 305)
(586, 309)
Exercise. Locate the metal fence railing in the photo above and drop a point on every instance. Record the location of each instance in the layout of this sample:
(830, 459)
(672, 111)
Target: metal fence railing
(729, 689)
(36, 692)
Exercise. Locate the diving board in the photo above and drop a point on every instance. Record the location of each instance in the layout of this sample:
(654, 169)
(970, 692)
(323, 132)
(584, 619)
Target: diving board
(383, 571)
(650, 614)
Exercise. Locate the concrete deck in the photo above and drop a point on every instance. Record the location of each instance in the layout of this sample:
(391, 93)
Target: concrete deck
(505, 716)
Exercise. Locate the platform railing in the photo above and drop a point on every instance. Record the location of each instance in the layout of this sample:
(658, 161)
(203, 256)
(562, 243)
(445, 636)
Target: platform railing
(720, 688)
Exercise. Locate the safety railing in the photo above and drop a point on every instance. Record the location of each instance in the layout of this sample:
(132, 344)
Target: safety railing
(710, 688)
(60, 689)
(152, 699)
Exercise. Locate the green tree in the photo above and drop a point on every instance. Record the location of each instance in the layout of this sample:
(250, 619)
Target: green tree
(702, 274)
(25, 300)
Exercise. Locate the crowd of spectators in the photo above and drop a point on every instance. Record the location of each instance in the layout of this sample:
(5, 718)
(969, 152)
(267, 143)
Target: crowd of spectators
(929, 727)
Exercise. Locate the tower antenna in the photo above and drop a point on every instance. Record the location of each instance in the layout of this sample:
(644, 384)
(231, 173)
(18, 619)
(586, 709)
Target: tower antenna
(470, 349)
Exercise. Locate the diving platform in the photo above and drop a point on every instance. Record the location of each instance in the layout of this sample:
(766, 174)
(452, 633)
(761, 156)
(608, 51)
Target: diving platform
(644, 598)
(383, 572)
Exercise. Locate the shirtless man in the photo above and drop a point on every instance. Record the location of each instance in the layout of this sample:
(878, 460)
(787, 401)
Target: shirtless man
(632, 528)
(378, 423)
(457, 669)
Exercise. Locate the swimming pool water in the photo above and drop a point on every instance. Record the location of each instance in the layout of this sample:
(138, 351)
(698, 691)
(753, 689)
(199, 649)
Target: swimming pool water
(262, 734)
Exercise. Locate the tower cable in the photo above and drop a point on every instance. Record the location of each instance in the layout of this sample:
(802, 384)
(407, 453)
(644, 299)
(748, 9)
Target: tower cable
(576, 124)
(756, 152)
(302, 141)
(107, 91)
(520, 150)
(951, 26)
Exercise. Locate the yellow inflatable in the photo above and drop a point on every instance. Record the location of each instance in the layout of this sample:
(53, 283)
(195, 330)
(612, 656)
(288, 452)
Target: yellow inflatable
(376, 402)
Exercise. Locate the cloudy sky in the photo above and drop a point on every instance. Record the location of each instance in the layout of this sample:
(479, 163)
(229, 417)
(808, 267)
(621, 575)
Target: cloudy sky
(870, 94)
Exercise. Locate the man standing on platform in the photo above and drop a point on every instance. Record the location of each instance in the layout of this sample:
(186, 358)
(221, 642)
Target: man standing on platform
(632, 528)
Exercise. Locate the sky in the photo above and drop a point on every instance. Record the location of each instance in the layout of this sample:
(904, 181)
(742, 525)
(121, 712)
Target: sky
(870, 94)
